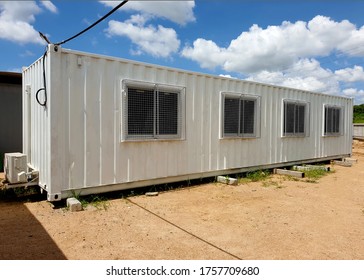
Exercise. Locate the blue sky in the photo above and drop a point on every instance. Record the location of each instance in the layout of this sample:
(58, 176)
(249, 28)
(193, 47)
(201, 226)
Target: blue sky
(312, 45)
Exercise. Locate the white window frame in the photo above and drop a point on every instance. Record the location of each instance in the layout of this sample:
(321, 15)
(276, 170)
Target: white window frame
(306, 118)
(256, 121)
(156, 88)
(341, 120)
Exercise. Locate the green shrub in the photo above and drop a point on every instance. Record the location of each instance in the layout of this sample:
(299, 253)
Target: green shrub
(259, 175)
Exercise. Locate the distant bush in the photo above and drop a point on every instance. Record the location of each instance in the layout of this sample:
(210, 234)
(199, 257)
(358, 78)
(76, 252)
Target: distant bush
(358, 114)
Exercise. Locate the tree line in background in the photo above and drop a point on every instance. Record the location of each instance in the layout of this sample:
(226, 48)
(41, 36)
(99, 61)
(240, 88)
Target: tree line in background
(359, 113)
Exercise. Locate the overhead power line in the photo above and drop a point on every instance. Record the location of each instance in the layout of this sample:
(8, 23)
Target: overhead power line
(44, 37)
(88, 28)
(95, 23)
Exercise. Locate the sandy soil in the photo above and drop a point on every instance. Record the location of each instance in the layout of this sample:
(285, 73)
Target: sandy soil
(279, 218)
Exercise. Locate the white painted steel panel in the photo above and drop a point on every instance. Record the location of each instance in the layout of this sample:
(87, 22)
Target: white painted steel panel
(76, 142)
(358, 130)
(36, 122)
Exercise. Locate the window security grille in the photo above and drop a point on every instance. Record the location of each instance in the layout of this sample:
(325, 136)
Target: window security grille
(167, 122)
(332, 120)
(239, 116)
(152, 113)
(294, 117)
(140, 112)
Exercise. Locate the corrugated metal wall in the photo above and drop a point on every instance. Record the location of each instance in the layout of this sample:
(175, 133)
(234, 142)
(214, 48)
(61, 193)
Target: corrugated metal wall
(36, 122)
(76, 141)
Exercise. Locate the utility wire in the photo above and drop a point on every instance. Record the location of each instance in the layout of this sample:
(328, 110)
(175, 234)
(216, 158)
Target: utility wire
(44, 88)
(186, 231)
(92, 25)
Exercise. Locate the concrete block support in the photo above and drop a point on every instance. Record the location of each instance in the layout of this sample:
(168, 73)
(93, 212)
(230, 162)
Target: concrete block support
(310, 167)
(343, 163)
(351, 160)
(227, 180)
(73, 204)
(297, 174)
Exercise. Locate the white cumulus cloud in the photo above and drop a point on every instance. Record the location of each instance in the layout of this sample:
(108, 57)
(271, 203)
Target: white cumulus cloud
(206, 52)
(358, 95)
(353, 45)
(50, 6)
(355, 74)
(277, 48)
(180, 12)
(157, 41)
(306, 74)
(16, 19)
(353, 91)
(287, 54)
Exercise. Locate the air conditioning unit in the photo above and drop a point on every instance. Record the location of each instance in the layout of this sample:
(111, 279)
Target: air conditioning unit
(15, 168)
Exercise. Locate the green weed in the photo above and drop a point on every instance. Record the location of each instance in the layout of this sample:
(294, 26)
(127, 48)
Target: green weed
(100, 203)
(313, 175)
(259, 175)
(94, 200)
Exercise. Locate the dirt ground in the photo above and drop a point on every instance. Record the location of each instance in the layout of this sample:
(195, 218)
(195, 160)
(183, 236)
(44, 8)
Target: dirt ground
(279, 218)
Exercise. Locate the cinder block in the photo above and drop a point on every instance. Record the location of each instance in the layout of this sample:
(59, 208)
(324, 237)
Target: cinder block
(343, 163)
(297, 174)
(310, 167)
(151, 193)
(73, 204)
(227, 180)
(351, 160)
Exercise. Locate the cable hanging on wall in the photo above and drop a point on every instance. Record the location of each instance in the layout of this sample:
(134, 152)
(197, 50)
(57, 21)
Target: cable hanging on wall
(44, 37)
(44, 103)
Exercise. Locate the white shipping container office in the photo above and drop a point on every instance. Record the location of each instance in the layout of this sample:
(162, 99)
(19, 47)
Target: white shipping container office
(110, 124)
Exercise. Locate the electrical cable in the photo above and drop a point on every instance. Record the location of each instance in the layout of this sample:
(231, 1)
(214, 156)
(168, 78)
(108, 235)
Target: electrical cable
(44, 103)
(92, 25)
(184, 230)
